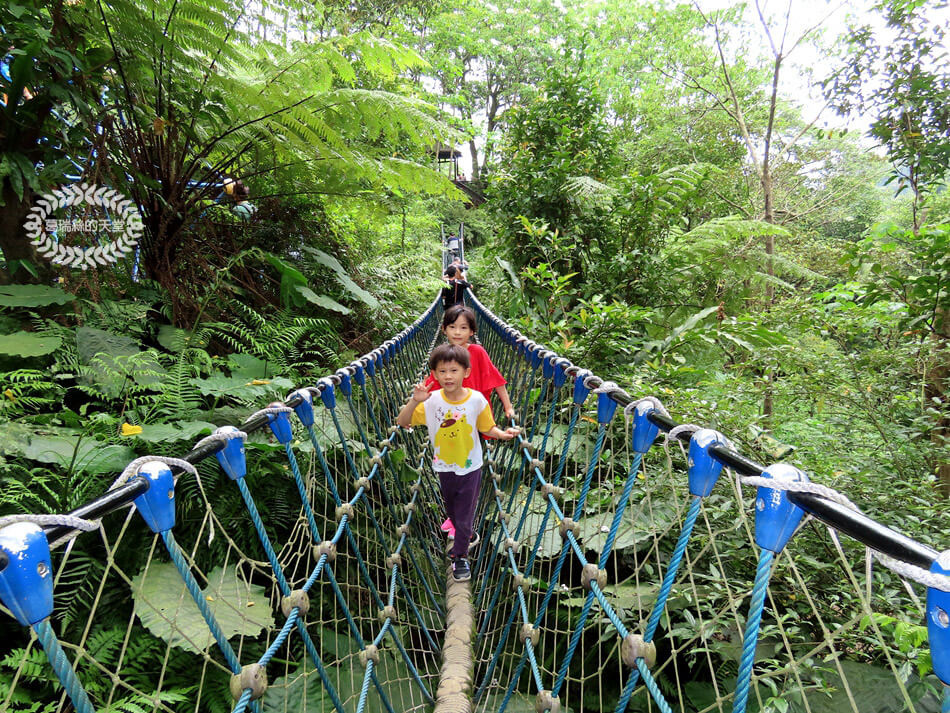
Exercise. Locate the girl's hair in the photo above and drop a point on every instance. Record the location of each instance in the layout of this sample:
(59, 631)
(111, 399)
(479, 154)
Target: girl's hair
(454, 312)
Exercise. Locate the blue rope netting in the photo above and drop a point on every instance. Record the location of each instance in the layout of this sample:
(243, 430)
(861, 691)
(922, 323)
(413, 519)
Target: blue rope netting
(601, 567)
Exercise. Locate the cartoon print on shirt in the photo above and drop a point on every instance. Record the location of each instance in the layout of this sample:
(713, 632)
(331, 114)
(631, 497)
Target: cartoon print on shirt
(454, 440)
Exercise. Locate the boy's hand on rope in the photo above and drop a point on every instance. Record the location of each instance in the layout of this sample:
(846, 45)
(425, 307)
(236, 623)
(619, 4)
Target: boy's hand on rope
(508, 433)
(420, 393)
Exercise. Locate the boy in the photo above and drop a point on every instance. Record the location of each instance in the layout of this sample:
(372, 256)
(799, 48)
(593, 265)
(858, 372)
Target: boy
(454, 415)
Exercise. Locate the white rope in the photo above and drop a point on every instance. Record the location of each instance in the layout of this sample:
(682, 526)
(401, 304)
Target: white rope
(77, 523)
(630, 407)
(902, 569)
(220, 438)
(269, 410)
(917, 574)
(132, 468)
(799, 487)
(683, 428)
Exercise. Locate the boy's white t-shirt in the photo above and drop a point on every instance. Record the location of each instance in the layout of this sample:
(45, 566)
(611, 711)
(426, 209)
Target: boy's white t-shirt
(453, 430)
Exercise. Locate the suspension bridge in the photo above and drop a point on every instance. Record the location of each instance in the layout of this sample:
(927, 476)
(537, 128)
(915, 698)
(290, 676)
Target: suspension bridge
(626, 563)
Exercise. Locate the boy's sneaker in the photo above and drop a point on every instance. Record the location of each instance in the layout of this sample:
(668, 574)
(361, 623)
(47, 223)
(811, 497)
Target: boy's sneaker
(476, 538)
(461, 571)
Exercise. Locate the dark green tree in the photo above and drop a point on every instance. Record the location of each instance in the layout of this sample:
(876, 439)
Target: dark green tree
(49, 88)
(901, 78)
(561, 136)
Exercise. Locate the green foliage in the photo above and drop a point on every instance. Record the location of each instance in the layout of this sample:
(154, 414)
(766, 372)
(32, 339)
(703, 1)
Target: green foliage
(32, 296)
(559, 136)
(165, 608)
(904, 84)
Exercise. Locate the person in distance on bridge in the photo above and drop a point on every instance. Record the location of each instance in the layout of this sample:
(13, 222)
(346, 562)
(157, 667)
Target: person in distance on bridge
(454, 293)
(454, 416)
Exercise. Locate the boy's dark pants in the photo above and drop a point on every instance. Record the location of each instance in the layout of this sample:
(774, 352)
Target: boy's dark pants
(460, 493)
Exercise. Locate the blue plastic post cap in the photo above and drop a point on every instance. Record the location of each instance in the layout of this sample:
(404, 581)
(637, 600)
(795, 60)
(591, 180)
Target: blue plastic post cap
(560, 375)
(346, 386)
(776, 517)
(280, 423)
(328, 394)
(535, 356)
(644, 430)
(157, 504)
(580, 389)
(26, 583)
(704, 470)
(304, 409)
(606, 407)
(547, 367)
(232, 457)
(938, 621)
(360, 375)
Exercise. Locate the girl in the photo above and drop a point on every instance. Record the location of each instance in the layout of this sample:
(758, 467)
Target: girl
(458, 325)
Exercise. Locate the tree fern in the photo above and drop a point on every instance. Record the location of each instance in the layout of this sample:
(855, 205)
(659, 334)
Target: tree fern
(677, 187)
(24, 390)
(77, 582)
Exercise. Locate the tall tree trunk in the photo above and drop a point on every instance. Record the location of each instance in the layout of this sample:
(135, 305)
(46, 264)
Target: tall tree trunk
(15, 244)
(476, 169)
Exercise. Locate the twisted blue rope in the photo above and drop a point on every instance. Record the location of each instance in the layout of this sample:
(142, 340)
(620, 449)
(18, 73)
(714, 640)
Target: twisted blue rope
(575, 640)
(243, 701)
(364, 690)
(285, 590)
(762, 574)
(263, 536)
(189, 579)
(61, 666)
(658, 606)
(945, 708)
(654, 690)
(621, 509)
(675, 560)
(302, 489)
(513, 683)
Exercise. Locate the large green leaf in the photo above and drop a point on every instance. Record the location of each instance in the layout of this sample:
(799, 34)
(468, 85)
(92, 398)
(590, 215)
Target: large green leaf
(248, 367)
(32, 296)
(167, 610)
(86, 455)
(109, 352)
(91, 341)
(343, 277)
(175, 339)
(506, 266)
(239, 387)
(177, 431)
(28, 344)
(322, 300)
(635, 527)
(551, 537)
(290, 279)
